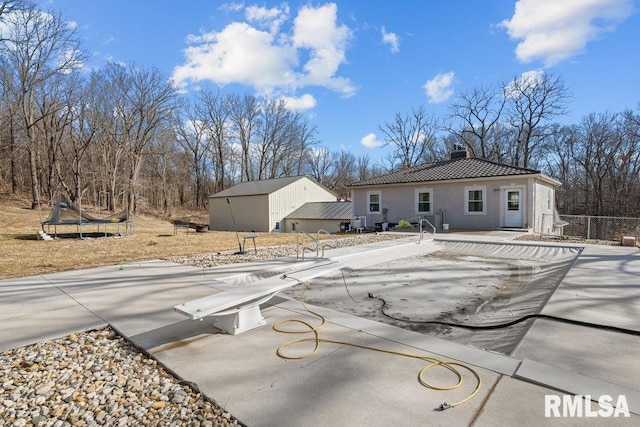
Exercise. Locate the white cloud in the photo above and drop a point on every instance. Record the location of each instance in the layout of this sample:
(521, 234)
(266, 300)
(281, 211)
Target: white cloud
(528, 79)
(270, 18)
(532, 77)
(552, 30)
(316, 29)
(301, 103)
(392, 40)
(273, 59)
(371, 141)
(438, 89)
(238, 54)
(232, 7)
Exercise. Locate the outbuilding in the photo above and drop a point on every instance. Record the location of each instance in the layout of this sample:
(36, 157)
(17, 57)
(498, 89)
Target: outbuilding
(333, 217)
(261, 206)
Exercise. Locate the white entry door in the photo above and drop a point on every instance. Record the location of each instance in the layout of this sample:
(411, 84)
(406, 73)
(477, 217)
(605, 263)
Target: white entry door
(513, 208)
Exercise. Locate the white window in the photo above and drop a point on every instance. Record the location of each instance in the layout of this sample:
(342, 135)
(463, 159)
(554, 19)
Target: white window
(424, 201)
(374, 201)
(475, 203)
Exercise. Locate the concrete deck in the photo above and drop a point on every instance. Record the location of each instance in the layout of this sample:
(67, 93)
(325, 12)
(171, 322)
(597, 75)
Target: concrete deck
(342, 384)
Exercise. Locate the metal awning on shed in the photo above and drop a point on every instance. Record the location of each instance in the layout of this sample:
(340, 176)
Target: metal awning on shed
(323, 210)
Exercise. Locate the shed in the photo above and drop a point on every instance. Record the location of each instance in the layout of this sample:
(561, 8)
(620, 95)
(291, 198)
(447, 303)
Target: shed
(261, 206)
(313, 216)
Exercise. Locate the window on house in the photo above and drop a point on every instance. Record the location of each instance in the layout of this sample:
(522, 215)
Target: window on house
(374, 202)
(475, 200)
(424, 201)
(513, 202)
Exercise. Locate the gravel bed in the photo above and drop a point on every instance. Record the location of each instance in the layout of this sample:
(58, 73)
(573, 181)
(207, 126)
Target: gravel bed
(566, 239)
(222, 258)
(97, 378)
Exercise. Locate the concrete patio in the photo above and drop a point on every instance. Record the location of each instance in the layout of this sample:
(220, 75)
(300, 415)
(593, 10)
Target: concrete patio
(342, 384)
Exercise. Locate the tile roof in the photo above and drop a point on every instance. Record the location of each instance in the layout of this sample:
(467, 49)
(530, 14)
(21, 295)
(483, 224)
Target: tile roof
(462, 168)
(323, 210)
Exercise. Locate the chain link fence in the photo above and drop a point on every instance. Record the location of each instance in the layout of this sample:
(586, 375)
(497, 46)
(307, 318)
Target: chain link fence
(601, 227)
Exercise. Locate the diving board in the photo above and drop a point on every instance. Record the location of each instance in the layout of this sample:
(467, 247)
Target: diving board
(238, 310)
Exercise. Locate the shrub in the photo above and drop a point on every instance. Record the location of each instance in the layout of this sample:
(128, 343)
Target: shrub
(403, 223)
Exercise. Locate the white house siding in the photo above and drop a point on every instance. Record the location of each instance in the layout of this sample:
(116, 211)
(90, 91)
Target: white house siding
(544, 207)
(250, 213)
(450, 198)
(287, 199)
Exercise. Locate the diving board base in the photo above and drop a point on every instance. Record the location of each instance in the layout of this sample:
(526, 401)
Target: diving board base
(239, 321)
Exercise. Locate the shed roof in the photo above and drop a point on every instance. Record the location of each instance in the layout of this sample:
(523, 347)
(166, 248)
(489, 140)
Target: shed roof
(453, 169)
(323, 210)
(252, 188)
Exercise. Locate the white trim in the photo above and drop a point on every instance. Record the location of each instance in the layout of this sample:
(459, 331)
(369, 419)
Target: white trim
(369, 194)
(524, 206)
(416, 200)
(482, 188)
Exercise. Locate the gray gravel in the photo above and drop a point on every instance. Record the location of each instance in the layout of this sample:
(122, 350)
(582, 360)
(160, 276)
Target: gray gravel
(213, 260)
(566, 239)
(97, 378)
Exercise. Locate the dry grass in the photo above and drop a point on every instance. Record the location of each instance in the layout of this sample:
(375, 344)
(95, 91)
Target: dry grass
(21, 254)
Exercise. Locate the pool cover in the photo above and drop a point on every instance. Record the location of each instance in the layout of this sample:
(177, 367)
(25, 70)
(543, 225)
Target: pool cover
(458, 282)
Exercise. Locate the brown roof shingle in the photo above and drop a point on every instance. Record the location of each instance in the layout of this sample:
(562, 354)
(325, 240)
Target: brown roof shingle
(462, 168)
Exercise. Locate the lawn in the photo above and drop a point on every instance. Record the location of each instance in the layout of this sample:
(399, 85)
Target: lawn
(21, 254)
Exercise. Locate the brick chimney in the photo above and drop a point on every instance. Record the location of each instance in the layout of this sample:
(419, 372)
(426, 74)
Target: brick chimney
(459, 152)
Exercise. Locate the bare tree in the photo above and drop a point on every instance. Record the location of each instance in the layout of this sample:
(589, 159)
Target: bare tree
(146, 102)
(596, 153)
(273, 136)
(56, 108)
(319, 163)
(36, 47)
(534, 101)
(9, 146)
(213, 112)
(163, 169)
(477, 116)
(191, 133)
(412, 136)
(244, 113)
(110, 136)
(344, 173)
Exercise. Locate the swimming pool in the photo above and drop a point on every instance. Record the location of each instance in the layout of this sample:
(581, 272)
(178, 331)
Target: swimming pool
(460, 282)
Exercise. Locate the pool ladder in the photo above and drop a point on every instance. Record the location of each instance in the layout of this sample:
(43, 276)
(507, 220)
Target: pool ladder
(422, 221)
(316, 245)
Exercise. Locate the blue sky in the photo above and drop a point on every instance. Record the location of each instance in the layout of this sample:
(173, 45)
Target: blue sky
(350, 66)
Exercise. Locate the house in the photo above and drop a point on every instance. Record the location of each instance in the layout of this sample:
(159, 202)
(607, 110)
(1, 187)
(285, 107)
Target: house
(313, 216)
(462, 192)
(263, 205)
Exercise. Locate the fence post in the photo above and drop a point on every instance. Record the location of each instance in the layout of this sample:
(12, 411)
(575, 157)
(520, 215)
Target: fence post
(588, 227)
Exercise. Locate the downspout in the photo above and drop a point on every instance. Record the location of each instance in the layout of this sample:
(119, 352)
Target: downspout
(534, 204)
